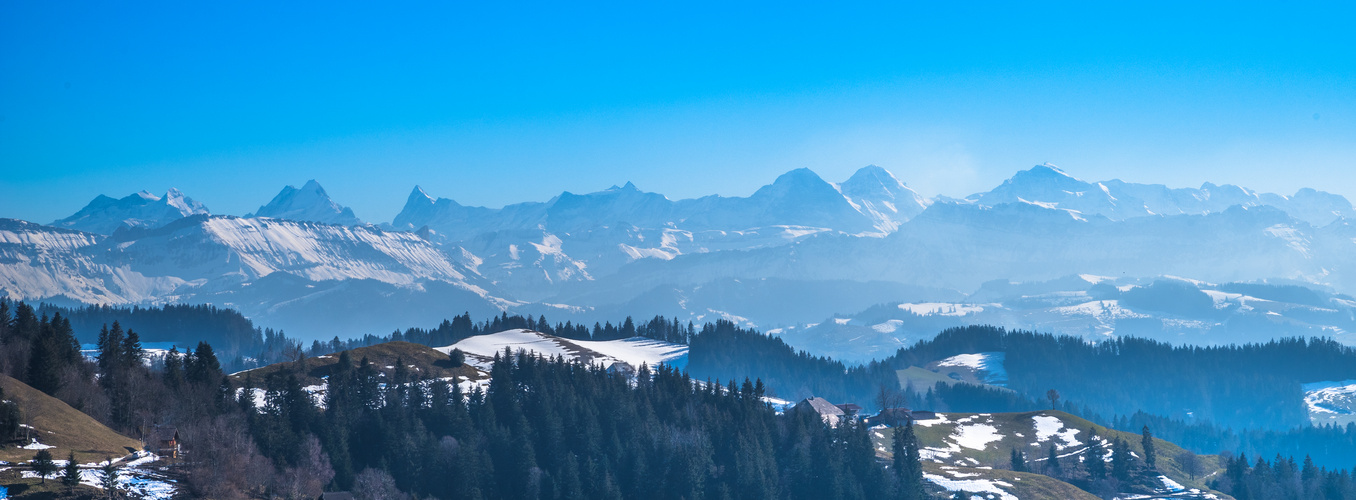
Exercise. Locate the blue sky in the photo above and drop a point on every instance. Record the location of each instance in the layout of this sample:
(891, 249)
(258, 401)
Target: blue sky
(495, 104)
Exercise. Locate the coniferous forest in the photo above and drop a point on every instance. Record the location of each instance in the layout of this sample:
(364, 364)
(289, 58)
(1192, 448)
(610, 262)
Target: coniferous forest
(548, 428)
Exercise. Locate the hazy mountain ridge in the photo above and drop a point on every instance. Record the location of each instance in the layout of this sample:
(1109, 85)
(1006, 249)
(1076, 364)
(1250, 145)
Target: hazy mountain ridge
(623, 251)
(1050, 186)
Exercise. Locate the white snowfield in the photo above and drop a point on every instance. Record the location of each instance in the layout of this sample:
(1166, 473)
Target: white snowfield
(1052, 427)
(633, 351)
(989, 362)
(974, 432)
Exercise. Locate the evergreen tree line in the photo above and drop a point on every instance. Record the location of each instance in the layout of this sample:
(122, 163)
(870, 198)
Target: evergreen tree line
(1283, 479)
(225, 329)
(1239, 386)
(1328, 445)
(41, 351)
(237, 341)
(547, 428)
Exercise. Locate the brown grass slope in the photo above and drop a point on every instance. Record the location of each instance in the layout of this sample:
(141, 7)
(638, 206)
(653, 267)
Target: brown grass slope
(56, 423)
(419, 359)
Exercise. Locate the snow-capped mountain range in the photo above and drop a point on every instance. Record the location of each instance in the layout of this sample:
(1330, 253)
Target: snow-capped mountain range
(794, 252)
(105, 215)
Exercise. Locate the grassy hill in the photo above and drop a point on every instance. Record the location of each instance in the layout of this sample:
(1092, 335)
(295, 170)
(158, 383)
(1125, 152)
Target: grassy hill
(979, 445)
(55, 423)
(418, 359)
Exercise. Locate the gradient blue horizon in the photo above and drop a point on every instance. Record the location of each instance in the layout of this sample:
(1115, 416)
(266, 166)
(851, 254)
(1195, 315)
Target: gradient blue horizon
(497, 104)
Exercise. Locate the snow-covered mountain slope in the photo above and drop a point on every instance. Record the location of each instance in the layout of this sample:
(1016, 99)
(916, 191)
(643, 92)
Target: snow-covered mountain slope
(876, 193)
(1169, 309)
(38, 262)
(244, 249)
(310, 276)
(1049, 186)
(310, 203)
(797, 198)
(634, 351)
(105, 215)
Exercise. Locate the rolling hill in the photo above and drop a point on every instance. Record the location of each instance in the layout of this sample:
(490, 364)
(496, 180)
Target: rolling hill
(60, 429)
(971, 452)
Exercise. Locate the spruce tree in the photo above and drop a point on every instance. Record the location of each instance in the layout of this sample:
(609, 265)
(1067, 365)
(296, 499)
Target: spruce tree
(132, 352)
(108, 480)
(908, 467)
(43, 465)
(1094, 460)
(6, 320)
(70, 475)
(173, 374)
(1018, 460)
(45, 360)
(1052, 466)
(1147, 442)
(1120, 460)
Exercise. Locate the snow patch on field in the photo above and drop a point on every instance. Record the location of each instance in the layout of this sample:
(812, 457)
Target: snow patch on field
(142, 482)
(888, 326)
(989, 362)
(1171, 485)
(1048, 427)
(941, 419)
(977, 436)
(35, 445)
(974, 432)
(972, 485)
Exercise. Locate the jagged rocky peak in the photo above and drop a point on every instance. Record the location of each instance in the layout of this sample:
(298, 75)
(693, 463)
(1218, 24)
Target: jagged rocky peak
(309, 203)
(104, 214)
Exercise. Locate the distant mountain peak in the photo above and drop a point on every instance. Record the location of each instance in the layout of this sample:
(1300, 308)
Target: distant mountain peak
(878, 194)
(141, 209)
(418, 195)
(799, 176)
(1048, 170)
(310, 203)
(873, 178)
